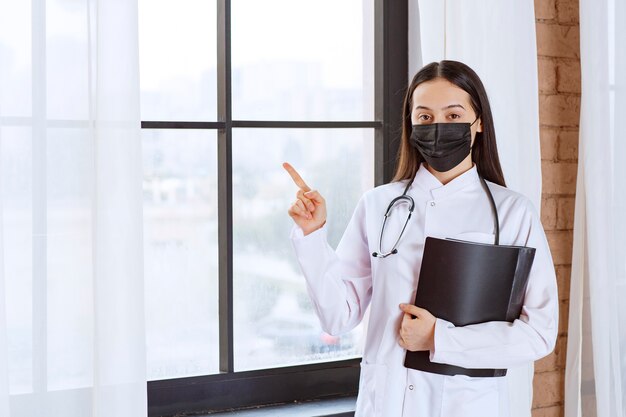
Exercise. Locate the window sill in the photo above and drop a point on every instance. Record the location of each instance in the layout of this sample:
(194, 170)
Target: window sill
(336, 407)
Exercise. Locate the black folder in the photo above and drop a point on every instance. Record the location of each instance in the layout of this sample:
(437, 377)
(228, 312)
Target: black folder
(467, 283)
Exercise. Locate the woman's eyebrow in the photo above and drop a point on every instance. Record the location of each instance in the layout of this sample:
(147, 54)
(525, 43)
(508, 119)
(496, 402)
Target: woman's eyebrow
(443, 108)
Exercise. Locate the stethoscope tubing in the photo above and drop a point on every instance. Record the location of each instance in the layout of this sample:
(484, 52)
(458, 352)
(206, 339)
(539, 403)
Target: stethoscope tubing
(409, 199)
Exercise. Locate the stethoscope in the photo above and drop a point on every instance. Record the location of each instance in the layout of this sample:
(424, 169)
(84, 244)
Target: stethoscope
(405, 198)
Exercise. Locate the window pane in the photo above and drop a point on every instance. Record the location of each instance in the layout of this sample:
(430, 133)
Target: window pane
(275, 323)
(180, 252)
(177, 53)
(303, 60)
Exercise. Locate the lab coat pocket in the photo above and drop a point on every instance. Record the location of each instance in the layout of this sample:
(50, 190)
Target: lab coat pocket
(464, 396)
(478, 237)
(371, 390)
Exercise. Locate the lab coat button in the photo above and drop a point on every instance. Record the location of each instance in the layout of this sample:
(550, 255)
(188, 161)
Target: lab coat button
(432, 203)
(411, 387)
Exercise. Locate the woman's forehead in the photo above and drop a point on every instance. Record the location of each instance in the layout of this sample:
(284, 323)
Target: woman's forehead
(438, 94)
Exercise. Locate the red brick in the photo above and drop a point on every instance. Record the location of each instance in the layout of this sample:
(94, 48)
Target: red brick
(563, 317)
(568, 75)
(548, 389)
(560, 246)
(559, 110)
(548, 212)
(567, 11)
(567, 149)
(565, 213)
(546, 71)
(549, 139)
(545, 9)
(559, 177)
(563, 281)
(558, 40)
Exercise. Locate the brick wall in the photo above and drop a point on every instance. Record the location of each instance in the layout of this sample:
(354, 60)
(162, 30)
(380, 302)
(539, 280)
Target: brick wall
(558, 51)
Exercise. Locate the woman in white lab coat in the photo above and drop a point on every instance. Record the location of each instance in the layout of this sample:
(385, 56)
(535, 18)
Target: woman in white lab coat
(448, 137)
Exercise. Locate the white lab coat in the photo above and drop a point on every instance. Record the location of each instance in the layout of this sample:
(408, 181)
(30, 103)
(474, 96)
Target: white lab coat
(342, 284)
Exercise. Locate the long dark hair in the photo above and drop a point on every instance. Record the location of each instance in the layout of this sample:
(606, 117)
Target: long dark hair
(484, 151)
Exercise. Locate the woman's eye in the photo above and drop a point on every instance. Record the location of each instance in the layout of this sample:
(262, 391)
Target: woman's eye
(454, 116)
(424, 117)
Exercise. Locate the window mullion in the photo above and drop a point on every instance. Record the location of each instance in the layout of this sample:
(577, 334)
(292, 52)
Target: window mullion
(391, 47)
(225, 195)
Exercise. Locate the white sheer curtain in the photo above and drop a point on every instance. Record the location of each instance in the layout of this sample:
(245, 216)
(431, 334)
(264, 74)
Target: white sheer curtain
(72, 341)
(497, 39)
(595, 372)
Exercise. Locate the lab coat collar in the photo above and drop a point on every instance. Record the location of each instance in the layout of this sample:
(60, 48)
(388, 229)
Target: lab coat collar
(429, 183)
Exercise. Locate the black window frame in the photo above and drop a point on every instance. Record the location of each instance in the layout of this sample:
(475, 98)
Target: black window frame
(230, 389)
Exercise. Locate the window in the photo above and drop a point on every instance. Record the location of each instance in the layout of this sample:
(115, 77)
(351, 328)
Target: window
(229, 90)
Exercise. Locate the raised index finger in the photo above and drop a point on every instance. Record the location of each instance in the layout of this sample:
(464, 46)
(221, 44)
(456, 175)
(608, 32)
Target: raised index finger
(296, 177)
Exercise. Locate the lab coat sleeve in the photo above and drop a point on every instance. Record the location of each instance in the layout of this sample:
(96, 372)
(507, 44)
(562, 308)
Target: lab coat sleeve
(500, 344)
(339, 282)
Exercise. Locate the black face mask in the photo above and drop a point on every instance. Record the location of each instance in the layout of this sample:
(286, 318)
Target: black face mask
(443, 145)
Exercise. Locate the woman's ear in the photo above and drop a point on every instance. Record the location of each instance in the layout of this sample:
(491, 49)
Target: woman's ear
(479, 128)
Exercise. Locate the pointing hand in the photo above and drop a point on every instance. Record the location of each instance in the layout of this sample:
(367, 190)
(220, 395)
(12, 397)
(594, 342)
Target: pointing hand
(309, 209)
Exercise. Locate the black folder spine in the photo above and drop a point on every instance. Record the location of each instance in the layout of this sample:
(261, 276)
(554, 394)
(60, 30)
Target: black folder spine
(524, 263)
